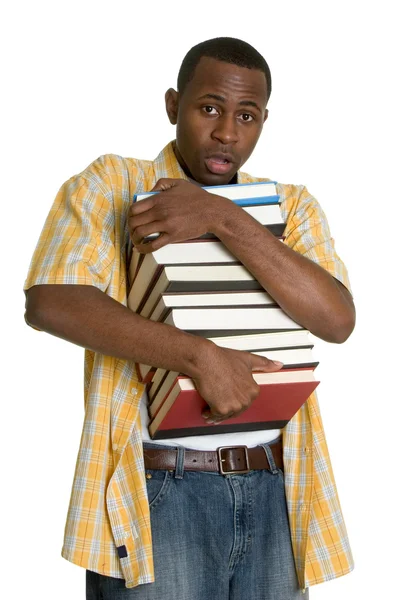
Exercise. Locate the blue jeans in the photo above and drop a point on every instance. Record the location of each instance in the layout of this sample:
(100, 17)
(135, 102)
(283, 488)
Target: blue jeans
(214, 536)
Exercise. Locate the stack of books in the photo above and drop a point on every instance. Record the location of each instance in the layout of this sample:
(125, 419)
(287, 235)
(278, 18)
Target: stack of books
(200, 287)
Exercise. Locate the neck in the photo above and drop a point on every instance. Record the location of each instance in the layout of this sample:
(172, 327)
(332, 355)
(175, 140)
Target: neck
(186, 170)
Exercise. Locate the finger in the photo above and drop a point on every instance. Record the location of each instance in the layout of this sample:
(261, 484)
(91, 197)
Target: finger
(137, 208)
(159, 242)
(140, 233)
(211, 419)
(214, 420)
(208, 414)
(214, 415)
(260, 363)
(164, 184)
(143, 218)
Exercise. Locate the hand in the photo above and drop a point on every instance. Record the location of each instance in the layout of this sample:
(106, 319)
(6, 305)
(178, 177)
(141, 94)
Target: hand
(226, 382)
(181, 211)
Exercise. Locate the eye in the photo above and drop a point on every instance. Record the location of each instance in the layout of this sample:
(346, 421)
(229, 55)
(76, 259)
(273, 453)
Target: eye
(246, 117)
(210, 110)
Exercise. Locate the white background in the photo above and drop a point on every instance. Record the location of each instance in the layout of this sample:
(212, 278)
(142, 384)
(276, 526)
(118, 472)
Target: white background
(85, 79)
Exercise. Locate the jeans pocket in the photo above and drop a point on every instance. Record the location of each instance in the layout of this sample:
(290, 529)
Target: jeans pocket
(157, 484)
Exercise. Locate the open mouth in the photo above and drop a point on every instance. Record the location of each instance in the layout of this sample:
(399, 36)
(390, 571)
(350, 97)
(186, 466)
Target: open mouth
(218, 166)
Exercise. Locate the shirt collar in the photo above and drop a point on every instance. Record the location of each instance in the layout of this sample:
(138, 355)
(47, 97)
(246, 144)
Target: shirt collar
(166, 165)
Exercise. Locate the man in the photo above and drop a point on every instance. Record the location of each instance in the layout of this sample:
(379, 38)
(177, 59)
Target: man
(259, 534)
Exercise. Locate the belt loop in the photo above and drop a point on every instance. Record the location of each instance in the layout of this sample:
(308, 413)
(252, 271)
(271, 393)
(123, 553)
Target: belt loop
(271, 459)
(180, 462)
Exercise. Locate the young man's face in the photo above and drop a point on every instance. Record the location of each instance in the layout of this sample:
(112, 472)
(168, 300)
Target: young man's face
(219, 119)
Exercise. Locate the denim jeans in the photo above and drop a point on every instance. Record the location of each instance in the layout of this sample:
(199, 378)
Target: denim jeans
(219, 537)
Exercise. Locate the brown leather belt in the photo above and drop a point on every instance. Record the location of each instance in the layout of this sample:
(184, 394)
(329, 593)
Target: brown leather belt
(226, 460)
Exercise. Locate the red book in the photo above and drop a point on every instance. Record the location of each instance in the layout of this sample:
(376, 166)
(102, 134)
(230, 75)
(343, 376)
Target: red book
(281, 395)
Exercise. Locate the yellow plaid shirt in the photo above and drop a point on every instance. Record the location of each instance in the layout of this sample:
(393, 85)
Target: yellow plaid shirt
(85, 241)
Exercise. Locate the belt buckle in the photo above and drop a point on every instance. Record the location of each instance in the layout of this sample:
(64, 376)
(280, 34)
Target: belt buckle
(222, 460)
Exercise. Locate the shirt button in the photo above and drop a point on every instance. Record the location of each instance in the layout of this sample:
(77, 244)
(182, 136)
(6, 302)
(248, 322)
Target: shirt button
(115, 448)
(306, 450)
(126, 534)
(134, 392)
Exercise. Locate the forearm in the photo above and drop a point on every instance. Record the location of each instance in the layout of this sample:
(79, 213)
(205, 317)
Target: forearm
(304, 290)
(89, 318)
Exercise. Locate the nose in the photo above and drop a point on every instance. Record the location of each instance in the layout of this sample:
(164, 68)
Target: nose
(225, 130)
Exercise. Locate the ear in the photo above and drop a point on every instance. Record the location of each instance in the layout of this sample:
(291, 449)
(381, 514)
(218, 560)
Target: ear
(171, 105)
(266, 115)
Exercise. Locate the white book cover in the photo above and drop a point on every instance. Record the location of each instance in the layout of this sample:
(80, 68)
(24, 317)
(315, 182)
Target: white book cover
(201, 319)
(209, 299)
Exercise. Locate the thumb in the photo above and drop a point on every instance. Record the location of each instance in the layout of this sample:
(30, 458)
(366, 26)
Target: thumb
(261, 363)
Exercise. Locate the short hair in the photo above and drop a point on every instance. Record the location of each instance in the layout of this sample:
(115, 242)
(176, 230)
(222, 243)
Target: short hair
(226, 49)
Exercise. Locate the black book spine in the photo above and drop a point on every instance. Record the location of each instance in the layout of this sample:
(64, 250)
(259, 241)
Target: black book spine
(165, 434)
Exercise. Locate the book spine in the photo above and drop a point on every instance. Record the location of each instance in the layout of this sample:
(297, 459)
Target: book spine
(165, 434)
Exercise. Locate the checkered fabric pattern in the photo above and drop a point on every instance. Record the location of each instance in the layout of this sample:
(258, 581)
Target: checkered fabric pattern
(85, 241)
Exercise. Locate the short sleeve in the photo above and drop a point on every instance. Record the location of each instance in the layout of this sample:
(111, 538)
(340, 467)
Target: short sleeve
(307, 231)
(76, 245)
